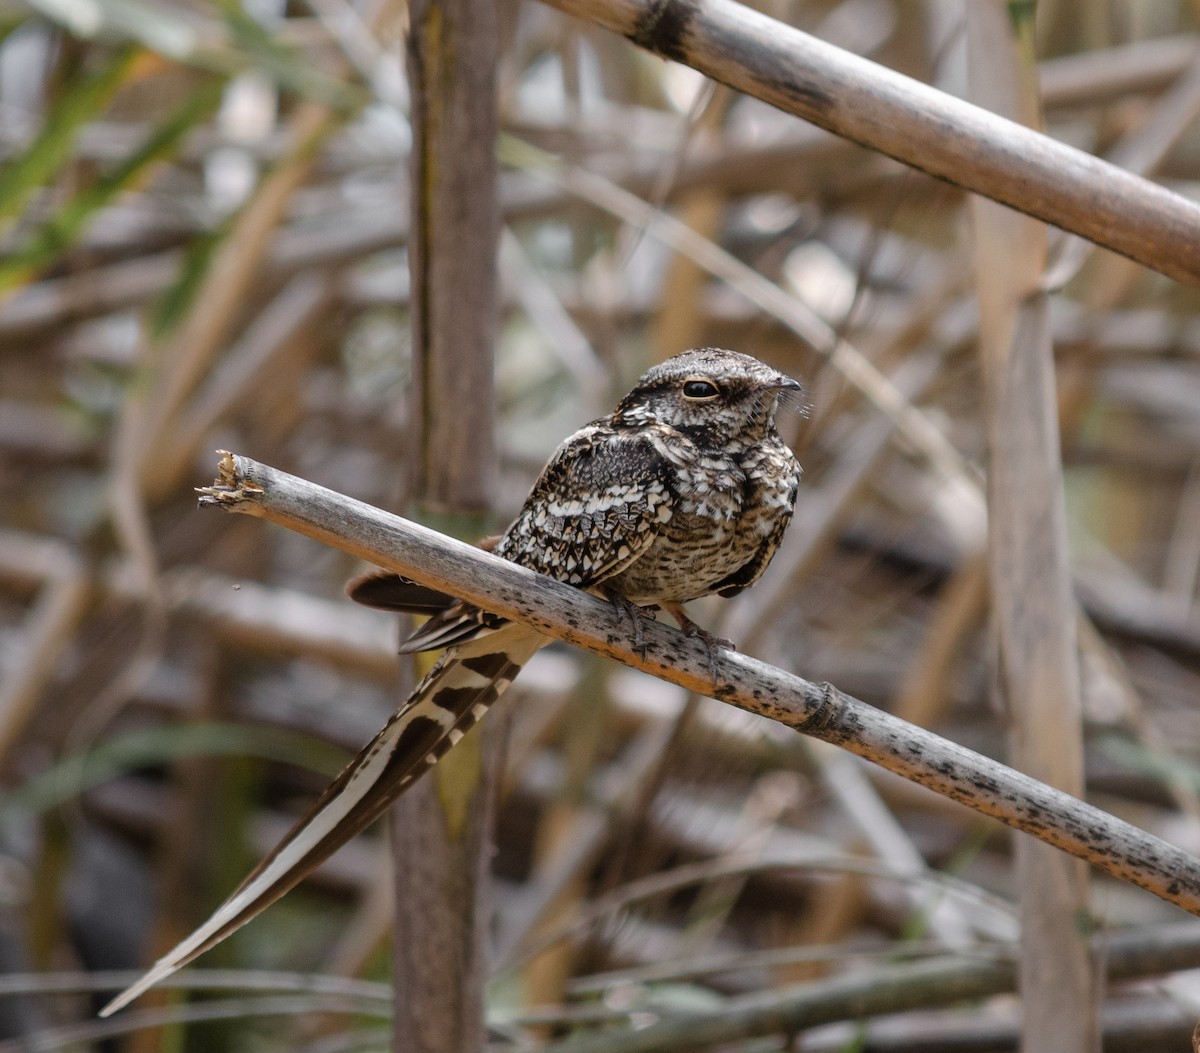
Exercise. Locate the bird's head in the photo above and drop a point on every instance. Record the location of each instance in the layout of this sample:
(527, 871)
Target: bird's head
(712, 395)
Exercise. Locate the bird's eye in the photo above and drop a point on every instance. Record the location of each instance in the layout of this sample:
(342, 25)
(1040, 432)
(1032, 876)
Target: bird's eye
(700, 390)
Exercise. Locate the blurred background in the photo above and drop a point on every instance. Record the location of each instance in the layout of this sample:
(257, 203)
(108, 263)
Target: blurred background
(205, 212)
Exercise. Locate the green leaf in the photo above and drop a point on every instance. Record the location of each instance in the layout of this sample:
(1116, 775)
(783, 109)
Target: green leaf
(284, 64)
(196, 41)
(67, 225)
(86, 99)
(172, 306)
(155, 28)
(137, 749)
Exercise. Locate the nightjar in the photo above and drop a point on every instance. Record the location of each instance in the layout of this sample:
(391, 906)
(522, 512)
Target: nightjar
(683, 491)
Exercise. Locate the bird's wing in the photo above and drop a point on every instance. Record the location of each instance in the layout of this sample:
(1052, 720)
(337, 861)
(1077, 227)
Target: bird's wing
(597, 506)
(750, 571)
(450, 622)
(386, 591)
(447, 703)
(785, 474)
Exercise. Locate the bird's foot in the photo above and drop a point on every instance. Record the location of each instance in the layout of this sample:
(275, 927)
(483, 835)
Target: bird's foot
(637, 616)
(690, 628)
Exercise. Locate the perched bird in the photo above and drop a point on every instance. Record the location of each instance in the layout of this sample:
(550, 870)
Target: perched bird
(683, 491)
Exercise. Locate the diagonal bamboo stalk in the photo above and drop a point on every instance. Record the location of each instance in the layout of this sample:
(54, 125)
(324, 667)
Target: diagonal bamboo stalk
(915, 124)
(820, 710)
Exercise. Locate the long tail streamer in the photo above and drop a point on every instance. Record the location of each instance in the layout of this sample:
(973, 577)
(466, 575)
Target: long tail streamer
(450, 700)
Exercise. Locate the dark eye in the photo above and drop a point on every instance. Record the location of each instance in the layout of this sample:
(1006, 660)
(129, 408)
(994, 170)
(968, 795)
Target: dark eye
(700, 390)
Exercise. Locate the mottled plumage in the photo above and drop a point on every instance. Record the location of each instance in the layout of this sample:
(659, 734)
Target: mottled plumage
(683, 491)
(667, 499)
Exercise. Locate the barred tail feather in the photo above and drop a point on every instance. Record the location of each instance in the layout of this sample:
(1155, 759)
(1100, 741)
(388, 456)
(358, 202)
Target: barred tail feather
(450, 700)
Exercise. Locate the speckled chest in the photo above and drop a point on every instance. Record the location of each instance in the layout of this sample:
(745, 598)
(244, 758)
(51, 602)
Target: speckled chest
(725, 506)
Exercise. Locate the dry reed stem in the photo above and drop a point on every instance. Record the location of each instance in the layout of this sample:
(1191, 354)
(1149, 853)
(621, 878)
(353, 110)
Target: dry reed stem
(51, 623)
(914, 123)
(565, 613)
(876, 992)
(1036, 651)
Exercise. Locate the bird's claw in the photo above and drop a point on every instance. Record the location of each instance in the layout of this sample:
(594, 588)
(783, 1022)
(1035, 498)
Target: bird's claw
(712, 642)
(626, 608)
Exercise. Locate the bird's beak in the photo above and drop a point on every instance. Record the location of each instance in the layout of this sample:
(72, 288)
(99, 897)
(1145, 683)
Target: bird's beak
(790, 393)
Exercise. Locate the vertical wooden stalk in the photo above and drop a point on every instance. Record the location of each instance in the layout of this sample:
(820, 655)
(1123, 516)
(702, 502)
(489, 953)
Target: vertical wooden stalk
(1033, 609)
(452, 250)
(587, 717)
(442, 828)
(679, 324)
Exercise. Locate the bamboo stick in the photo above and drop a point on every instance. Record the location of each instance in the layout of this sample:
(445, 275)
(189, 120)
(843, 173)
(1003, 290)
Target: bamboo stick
(820, 710)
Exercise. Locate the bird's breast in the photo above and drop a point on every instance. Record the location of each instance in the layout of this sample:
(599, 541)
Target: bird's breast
(709, 535)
